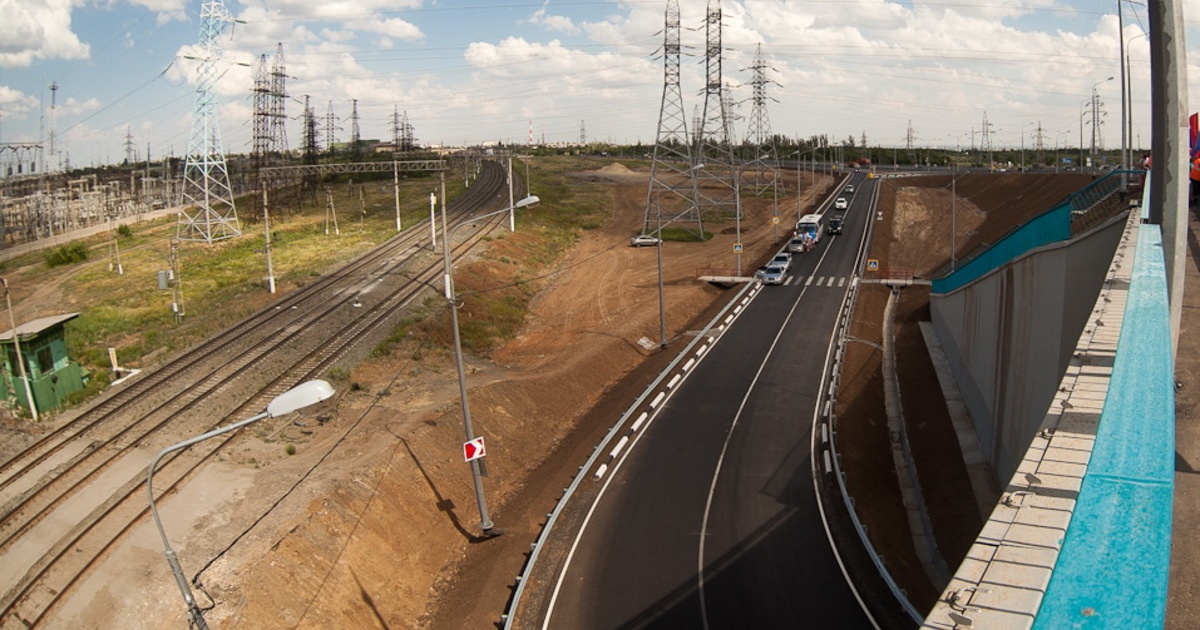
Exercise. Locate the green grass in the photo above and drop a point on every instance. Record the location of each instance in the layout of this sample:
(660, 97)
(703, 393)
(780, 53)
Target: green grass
(224, 282)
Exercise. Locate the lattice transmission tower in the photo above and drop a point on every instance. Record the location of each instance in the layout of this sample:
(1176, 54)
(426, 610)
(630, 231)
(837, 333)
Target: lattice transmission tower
(278, 105)
(716, 172)
(985, 140)
(331, 127)
(355, 137)
(208, 214)
(765, 164)
(671, 197)
(260, 138)
(402, 131)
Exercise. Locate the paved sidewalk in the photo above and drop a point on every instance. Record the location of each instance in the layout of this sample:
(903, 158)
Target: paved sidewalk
(1183, 605)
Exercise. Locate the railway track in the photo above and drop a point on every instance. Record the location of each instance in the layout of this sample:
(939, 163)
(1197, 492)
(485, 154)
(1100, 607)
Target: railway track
(71, 496)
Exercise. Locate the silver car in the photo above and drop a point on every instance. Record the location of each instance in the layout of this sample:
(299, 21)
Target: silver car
(769, 274)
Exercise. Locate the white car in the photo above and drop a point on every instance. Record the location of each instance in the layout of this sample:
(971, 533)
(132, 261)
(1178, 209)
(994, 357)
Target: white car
(783, 260)
(841, 204)
(642, 240)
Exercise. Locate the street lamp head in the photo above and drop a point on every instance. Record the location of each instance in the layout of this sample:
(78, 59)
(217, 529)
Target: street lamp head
(531, 200)
(299, 397)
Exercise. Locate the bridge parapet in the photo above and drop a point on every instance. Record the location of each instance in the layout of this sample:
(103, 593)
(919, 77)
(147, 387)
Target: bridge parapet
(1081, 535)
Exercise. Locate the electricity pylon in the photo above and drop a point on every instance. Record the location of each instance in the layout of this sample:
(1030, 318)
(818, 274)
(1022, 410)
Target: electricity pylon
(716, 173)
(208, 214)
(766, 155)
(671, 197)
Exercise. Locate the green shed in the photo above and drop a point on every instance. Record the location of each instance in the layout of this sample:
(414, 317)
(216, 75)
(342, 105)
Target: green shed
(52, 374)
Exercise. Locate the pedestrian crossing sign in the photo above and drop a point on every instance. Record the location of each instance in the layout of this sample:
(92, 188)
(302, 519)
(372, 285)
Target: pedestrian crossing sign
(872, 264)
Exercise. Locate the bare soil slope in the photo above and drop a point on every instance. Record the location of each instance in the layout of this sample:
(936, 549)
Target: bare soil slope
(914, 235)
(373, 523)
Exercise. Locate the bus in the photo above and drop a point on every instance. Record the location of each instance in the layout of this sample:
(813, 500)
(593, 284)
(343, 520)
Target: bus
(808, 232)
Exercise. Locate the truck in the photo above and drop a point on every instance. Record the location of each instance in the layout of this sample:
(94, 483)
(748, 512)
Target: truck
(808, 232)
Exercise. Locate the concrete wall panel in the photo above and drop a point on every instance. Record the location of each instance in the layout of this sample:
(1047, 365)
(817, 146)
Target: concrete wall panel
(1009, 336)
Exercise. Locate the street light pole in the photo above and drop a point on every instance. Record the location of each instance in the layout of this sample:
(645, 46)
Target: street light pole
(1096, 118)
(477, 468)
(1124, 109)
(294, 399)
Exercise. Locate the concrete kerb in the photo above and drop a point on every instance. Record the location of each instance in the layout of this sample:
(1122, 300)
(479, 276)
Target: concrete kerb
(919, 523)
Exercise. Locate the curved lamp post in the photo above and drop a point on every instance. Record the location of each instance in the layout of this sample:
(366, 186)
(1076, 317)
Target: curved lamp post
(294, 399)
(485, 521)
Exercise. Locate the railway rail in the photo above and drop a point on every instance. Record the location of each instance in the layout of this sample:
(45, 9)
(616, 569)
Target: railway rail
(78, 488)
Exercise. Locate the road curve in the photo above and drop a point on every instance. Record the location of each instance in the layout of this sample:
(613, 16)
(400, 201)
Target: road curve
(711, 519)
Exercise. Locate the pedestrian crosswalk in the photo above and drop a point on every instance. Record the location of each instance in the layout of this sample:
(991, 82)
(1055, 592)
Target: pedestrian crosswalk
(817, 281)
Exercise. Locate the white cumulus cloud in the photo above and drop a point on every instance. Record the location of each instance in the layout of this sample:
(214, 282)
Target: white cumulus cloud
(38, 29)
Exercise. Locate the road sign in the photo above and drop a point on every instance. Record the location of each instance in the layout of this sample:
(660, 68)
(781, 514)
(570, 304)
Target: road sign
(774, 220)
(872, 264)
(737, 248)
(474, 449)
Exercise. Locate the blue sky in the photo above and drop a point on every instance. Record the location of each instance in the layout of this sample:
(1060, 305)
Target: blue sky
(474, 71)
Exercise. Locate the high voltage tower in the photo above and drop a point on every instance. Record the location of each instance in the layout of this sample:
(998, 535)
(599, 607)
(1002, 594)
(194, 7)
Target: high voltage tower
(766, 154)
(355, 138)
(672, 192)
(130, 148)
(1039, 143)
(208, 214)
(330, 128)
(402, 132)
(716, 172)
(310, 137)
(278, 110)
(270, 114)
(985, 139)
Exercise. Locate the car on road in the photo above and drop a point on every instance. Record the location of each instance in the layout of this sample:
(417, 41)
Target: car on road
(782, 260)
(841, 203)
(769, 274)
(643, 240)
(849, 188)
(835, 225)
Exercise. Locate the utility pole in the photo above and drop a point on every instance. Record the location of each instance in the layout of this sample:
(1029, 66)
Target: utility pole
(267, 235)
(33, 412)
(176, 282)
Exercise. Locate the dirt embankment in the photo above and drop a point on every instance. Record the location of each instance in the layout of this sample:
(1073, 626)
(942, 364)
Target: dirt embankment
(373, 522)
(384, 532)
(915, 235)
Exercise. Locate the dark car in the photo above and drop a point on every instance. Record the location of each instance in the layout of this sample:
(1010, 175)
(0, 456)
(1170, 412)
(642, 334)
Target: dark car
(835, 226)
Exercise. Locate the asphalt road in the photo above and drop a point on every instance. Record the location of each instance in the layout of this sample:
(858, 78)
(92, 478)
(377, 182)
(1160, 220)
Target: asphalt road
(711, 519)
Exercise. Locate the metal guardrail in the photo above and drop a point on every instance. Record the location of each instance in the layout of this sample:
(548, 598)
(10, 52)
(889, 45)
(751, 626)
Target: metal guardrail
(843, 337)
(509, 616)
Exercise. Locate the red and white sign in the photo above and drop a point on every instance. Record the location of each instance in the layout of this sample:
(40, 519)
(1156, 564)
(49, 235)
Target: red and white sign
(474, 449)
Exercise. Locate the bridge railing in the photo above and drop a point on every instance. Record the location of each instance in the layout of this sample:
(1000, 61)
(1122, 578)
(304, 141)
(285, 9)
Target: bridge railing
(1081, 537)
